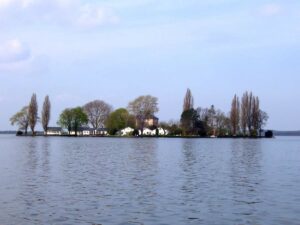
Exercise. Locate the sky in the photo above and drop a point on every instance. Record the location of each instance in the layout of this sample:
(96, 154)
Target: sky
(77, 51)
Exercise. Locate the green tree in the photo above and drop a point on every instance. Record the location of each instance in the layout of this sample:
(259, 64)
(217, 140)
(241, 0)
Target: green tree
(191, 123)
(73, 119)
(118, 120)
(79, 118)
(21, 119)
(65, 119)
(173, 127)
(175, 130)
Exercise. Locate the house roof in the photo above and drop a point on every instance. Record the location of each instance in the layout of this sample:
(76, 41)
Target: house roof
(81, 129)
(102, 129)
(85, 129)
(54, 129)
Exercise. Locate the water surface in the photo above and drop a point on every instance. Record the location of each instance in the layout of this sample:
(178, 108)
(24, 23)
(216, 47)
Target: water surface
(122, 181)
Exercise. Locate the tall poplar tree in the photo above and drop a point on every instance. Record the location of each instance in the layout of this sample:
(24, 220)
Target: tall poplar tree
(188, 102)
(235, 115)
(46, 114)
(33, 113)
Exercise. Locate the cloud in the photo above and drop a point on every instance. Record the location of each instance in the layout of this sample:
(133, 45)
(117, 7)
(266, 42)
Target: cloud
(271, 9)
(5, 3)
(91, 16)
(13, 51)
(58, 12)
(22, 3)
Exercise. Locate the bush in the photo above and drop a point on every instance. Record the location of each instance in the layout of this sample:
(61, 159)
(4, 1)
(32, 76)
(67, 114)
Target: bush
(269, 134)
(135, 132)
(19, 133)
(253, 133)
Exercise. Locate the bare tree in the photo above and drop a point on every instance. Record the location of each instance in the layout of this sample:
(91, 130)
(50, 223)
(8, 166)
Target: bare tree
(222, 123)
(21, 118)
(142, 108)
(97, 112)
(33, 113)
(244, 112)
(251, 103)
(46, 113)
(251, 114)
(255, 113)
(203, 114)
(212, 120)
(263, 118)
(235, 115)
(188, 102)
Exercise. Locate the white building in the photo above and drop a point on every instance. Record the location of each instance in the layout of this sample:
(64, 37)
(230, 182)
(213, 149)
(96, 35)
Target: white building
(159, 131)
(146, 131)
(87, 131)
(162, 131)
(100, 132)
(126, 131)
(82, 131)
(53, 131)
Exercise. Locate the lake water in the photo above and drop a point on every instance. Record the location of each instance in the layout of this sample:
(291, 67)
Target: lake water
(149, 181)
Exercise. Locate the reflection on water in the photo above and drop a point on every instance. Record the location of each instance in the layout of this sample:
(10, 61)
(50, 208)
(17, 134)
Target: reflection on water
(247, 179)
(149, 181)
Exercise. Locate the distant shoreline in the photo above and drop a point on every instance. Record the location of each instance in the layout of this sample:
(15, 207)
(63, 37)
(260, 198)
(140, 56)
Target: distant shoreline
(137, 137)
(276, 134)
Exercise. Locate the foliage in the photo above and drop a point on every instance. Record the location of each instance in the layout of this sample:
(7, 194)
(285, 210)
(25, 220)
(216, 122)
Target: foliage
(175, 130)
(65, 119)
(191, 123)
(269, 134)
(135, 132)
(172, 126)
(19, 133)
(79, 118)
(21, 119)
(214, 121)
(73, 119)
(118, 120)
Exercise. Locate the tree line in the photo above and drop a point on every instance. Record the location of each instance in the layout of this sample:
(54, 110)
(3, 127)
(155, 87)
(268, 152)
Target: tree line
(97, 114)
(28, 116)
(244, 119)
